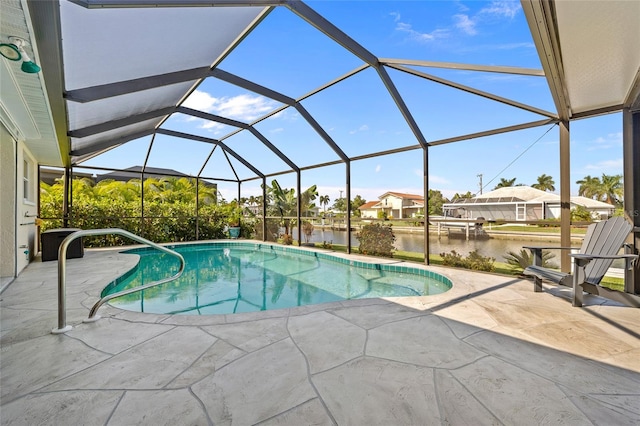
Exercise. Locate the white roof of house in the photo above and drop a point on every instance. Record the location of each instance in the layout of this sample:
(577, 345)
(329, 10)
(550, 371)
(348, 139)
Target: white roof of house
(513, 194)
(524, 193)
(590, 203)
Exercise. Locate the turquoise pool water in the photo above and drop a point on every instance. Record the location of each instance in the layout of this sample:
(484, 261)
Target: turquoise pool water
(224, 278)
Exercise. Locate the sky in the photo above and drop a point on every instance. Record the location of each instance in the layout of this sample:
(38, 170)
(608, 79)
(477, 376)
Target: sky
(289, 56)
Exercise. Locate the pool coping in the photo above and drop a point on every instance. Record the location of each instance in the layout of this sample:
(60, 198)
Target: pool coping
(415, 302)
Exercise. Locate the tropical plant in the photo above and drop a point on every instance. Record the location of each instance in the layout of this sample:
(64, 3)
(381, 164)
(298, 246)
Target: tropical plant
(356, 203)
(307, 230)
(504, 183)
(324, 200)
(436, 200)
(520, 261)
(462, 196)
(376, 240)
(284, 203)
(169, 209)
(545, 183)
(590, 187)
(340, 204)
(612, 189)
(234, 214)
(581, 214)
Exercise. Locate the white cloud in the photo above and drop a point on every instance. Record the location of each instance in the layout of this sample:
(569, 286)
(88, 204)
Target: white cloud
(606, 165)
(611, 140)
(436, 179)
(362, 128)
(505, 9)
(378, 168)
(419, 36)
(466, 24)
(245, 107)
(278, 130)
(463, 21)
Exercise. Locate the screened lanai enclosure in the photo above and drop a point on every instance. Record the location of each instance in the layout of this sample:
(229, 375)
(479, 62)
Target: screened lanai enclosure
(403, 96)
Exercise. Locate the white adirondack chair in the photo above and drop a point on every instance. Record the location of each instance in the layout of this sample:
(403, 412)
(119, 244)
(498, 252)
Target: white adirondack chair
(599, 249)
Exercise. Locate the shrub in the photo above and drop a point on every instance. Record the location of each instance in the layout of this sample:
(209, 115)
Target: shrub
(474, 261)
(307, 230)
(376, 240)
(519, 261)
(581, 214)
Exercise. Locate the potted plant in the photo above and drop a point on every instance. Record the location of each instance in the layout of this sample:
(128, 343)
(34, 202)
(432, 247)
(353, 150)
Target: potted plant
(233, 220)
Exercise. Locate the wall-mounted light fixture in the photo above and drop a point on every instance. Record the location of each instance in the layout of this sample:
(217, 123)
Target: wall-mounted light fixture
(14, 51)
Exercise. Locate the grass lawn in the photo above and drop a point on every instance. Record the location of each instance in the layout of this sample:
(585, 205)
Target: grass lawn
(500, 267)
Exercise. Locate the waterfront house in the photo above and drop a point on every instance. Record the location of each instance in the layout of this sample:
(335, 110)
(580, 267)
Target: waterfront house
(521, 203)
(394, 205)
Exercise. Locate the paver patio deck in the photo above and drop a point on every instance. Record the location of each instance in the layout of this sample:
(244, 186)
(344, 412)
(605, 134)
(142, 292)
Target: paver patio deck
(489, 351)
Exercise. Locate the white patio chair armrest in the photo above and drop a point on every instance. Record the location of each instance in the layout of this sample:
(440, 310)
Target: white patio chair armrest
(536, 251)
(549, 248)
(582, 259)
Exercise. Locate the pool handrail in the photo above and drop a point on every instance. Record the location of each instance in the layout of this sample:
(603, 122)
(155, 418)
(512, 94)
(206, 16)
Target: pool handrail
(62, 257)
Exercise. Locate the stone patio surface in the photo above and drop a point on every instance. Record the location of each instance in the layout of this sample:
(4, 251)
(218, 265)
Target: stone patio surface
(489, 351)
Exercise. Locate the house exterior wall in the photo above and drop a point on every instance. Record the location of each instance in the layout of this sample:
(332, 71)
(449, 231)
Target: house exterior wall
(397, 207)
(7, 204)
(369, 213)
(27, 206)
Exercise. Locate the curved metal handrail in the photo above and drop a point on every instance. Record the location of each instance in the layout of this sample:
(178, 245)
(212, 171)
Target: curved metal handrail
(62, 257)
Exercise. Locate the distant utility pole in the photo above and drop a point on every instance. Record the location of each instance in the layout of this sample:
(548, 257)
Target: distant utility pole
(480, 176)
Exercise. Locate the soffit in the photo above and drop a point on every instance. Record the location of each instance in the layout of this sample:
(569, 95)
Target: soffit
(600, 44)
(143, 46)
(24, 108)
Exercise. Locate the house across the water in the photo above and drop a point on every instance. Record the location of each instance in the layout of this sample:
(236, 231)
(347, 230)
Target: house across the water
(394, 205)
(521, 203)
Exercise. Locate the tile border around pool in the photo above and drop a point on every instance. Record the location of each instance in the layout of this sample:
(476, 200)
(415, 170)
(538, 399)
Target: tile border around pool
(388, 265)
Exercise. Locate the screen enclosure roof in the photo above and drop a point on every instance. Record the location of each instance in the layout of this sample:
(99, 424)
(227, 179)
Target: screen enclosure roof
(147, 73)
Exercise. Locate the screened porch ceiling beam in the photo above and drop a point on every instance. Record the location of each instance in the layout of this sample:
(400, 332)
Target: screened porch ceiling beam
(320, 130)
(407, 148)
(272, 94)
(96, 147)
(507, 129)
(206, 161)
(233, 169)
(333, 32)
(465, 67)
(230, 122)
(333, 82)
(475, 91)
(330, 30)
(122, 122)
(103, 4)
(211, 141)
(542, 25)
(251, 86)
(103, 91)
(632, 100)
(273, 148)
(397, 98)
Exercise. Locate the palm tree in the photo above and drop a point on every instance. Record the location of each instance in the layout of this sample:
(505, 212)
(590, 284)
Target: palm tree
(324, 200)
(545, 183)
(285, 202)
(590, 187)
(504, 183)
(612, 188)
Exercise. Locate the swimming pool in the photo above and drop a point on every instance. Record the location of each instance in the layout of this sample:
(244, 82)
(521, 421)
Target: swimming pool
(224, 278)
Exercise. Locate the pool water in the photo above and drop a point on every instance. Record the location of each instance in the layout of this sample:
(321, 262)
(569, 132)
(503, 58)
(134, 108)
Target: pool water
(224, 278)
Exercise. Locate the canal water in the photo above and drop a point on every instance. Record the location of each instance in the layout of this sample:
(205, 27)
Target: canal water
(414, 242)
